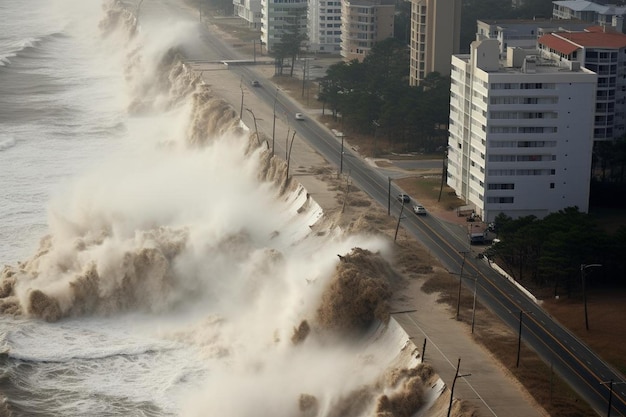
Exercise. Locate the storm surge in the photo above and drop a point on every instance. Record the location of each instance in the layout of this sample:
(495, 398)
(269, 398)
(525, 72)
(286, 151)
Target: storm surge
(194, 223)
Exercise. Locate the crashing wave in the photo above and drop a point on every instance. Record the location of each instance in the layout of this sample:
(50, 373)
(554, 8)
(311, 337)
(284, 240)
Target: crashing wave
(96, 266)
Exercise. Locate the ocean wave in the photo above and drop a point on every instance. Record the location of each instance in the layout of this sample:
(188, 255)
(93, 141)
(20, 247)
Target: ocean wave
(27, 46)
(87, 356)
(6, 143)
(70, 341)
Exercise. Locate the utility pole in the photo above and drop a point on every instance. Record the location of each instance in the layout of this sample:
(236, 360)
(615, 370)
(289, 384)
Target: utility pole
(519, 337)
(399, 218)
(610, 384)
(456, 376)
(583, 277)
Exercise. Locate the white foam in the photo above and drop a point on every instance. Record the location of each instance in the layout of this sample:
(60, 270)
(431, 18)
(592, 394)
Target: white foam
(6, 142)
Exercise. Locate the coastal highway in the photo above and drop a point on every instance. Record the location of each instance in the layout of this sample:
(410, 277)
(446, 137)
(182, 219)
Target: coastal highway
(561, 350)
(569, 357)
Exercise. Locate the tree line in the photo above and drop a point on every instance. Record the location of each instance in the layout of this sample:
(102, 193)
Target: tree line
(374, 97)
(549, 252)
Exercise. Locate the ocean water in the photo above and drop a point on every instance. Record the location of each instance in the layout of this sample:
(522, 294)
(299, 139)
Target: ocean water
(138, 281)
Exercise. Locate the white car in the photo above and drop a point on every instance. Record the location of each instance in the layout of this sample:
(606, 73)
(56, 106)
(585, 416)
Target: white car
(299, 116)
(419, 209)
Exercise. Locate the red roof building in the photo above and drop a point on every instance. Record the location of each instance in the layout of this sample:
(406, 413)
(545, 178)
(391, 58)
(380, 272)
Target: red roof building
(602, 51)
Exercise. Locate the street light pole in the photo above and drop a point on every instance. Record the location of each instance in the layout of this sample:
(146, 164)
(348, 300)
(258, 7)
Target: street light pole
(458, 303)
(474, 304)
(256, 130)
(583, 267)
(274, 122)
(241, 107)
(389, 197)
(456, 376)
(289, 157)
(341, 163)
(287, 142)
(376, 126)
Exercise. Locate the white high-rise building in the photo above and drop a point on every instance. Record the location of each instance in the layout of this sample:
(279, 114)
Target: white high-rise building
(363, 24)
(324, 20)
(248, 10)
(521, 133)
(281, 18)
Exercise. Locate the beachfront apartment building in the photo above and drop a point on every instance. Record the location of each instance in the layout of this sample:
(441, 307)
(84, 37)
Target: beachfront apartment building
(282, 18)
(435, 37)
(248, 10)
(363, 24)
(520, 133)
(604, 52)
(324, 26)
(594, 13)
(523, 33)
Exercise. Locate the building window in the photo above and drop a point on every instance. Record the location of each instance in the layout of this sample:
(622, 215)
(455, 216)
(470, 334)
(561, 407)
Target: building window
(500, 200)
(507, 186)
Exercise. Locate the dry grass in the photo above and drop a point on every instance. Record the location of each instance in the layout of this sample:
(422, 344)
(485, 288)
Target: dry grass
(548, 390)
(605, 312)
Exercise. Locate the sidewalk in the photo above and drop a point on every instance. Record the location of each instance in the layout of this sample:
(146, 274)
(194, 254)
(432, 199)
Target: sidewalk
(489, 388)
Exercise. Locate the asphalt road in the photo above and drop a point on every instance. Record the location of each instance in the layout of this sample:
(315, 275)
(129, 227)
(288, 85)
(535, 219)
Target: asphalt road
(568, 356)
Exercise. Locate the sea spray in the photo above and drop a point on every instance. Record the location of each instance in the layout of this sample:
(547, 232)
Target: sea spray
(229, 268)
(358, 295)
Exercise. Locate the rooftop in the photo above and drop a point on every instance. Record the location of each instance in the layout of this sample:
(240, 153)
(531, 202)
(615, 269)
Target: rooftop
(588, 6)
(568, 42)
(540, 22)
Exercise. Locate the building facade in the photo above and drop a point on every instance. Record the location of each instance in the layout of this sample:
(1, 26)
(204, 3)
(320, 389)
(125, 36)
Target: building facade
(281, 18)
(324, 26)
(248, 10)
(435, 37)
(523, 33)
(520, 135)
(603, 52)
(599, 14)
(363, 24)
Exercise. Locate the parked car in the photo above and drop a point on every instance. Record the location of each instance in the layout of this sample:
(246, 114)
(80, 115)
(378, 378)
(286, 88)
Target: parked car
(472, 218)
(419, 209)
(299, 116)
(255, 83)
(404, 198)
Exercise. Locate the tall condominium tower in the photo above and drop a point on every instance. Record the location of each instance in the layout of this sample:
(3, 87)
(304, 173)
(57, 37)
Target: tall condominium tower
(521, 132)
(435, 36)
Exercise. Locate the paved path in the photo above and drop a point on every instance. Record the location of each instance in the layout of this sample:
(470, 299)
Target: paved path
(489, 387)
